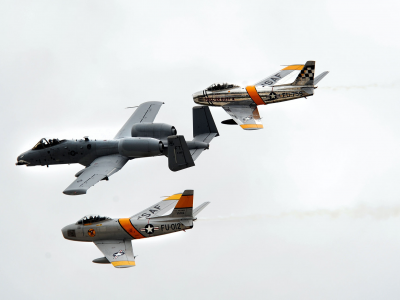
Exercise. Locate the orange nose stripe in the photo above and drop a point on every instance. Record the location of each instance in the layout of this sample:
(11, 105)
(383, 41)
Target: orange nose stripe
(132, 231)
(251, 90)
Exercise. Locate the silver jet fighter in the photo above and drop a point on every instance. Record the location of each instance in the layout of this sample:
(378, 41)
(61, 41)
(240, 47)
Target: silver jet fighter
(113, 236)
(292, 82)
(139, 137)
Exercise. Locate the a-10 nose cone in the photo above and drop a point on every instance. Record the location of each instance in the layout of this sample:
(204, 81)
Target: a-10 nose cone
(21, 160)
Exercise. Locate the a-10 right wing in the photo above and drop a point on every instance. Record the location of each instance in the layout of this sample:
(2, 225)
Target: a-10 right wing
(145, 113)
(101, 168)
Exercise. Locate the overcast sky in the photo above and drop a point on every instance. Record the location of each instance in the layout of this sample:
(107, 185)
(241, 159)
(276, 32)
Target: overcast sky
(307, 208)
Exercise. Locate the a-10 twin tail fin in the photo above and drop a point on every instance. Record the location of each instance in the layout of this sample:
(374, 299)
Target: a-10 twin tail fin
(182, 154)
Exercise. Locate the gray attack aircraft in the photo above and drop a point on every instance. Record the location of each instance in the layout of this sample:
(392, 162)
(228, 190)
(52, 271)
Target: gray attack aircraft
(113, 236)
(138, 138)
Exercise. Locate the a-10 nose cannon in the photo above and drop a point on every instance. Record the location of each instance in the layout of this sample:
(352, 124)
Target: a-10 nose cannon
(138, 138)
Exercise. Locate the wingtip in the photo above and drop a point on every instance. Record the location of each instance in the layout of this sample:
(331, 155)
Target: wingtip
(74, 192)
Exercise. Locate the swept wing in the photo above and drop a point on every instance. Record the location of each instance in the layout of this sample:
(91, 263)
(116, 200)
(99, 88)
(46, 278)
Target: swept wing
(145, 113)
(118, 252)
(244, 115)
(101, 168)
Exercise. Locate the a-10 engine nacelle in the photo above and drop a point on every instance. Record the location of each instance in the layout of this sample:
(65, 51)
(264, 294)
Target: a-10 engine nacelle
(154, 130)
(140, 147)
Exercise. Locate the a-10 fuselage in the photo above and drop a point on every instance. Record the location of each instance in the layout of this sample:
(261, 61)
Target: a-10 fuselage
(120, 229)
(85, 151)
(251, 95)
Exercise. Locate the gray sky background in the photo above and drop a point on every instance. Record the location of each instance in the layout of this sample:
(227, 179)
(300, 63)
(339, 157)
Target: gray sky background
(307, 208)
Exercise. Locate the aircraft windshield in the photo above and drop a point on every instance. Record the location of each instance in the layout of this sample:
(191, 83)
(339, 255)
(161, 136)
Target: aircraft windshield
(221, 86)
(43, 143)
(89, 219)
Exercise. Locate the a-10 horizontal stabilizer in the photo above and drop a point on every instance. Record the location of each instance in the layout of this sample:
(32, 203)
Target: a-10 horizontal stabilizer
(179, 157)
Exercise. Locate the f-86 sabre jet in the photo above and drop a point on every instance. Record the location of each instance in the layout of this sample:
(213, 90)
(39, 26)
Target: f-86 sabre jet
(139, 137)
(113, 236)
(292, 82)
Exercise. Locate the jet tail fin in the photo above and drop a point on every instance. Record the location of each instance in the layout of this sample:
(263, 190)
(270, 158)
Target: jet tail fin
(306, 75)
(183, 210)
(203, 122)
(204, 130)
(184, 207)
(179, 157)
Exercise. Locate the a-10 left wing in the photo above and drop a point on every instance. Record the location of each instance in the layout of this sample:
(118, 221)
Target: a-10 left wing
(145, 113)
(100, 169)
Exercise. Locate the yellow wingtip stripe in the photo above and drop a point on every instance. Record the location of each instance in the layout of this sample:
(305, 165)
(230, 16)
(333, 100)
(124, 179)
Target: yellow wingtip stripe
(173, 197)
(293, 67)
(246, 126)
(123, 263)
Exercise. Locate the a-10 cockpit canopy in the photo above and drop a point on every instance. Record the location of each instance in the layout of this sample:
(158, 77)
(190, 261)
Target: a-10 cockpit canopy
(221, 86)
(89, 219)
(43, 143)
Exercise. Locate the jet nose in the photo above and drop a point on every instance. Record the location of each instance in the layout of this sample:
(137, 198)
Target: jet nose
(64, 232)
(199, 93)
(68, 232)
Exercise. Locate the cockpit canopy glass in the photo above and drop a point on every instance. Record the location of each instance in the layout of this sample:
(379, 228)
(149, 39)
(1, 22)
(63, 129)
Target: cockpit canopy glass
(89, 219)
(44, 143)
(221, 86)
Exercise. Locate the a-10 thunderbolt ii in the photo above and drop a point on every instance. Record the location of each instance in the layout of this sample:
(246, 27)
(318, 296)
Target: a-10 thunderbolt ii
(292, 82)
(113, 236)
(139, 137)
